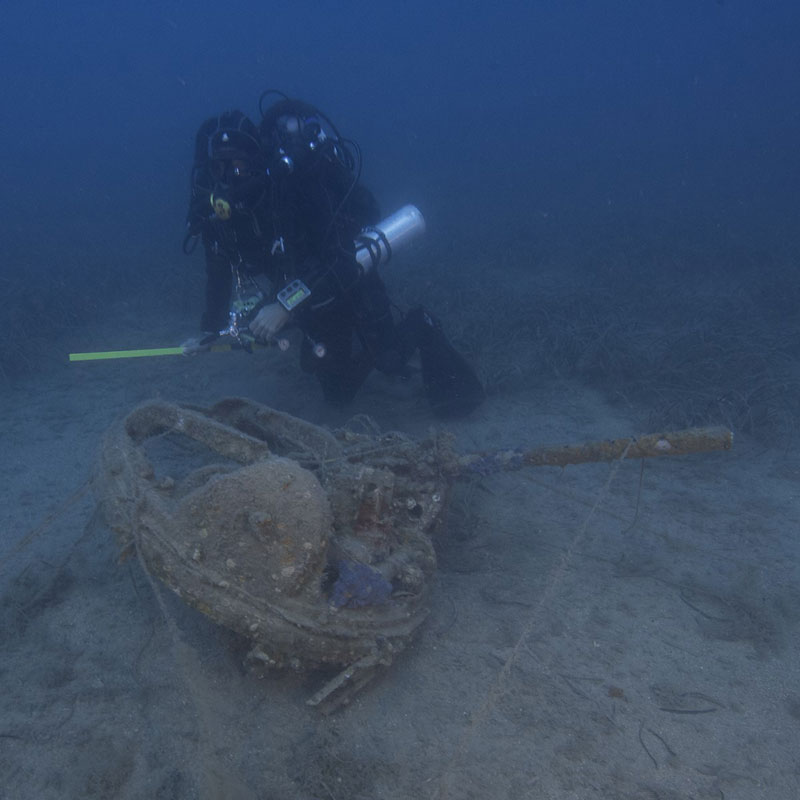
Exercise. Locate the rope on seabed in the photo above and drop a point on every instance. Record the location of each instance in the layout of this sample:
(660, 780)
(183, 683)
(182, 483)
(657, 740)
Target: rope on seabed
(55, 514)
(496, 691)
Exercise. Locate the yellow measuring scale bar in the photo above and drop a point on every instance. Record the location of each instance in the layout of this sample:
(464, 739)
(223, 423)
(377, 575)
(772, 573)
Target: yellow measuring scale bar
(157, 351)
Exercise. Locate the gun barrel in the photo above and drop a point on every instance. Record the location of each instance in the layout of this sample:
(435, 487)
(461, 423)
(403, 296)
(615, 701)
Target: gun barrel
(674, 443)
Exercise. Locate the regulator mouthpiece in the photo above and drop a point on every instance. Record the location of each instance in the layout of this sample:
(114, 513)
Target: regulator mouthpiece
(222, 208)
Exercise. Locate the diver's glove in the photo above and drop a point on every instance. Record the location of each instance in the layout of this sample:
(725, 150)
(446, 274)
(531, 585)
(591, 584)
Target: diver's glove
(197, 344)
(268, 322)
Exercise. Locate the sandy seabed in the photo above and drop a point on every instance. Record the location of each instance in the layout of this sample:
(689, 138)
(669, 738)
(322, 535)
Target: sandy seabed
(600, 631)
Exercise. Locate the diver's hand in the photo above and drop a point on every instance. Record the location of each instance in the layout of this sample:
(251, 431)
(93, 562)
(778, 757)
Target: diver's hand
(193, 346)
(269, 321)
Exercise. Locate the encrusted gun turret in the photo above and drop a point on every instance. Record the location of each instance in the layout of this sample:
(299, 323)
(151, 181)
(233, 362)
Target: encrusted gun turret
(316, 546)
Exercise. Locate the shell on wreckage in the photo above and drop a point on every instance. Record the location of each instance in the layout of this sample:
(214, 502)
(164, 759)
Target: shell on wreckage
(314, 545)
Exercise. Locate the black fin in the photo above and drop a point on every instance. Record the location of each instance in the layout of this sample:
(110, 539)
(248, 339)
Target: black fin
(451, 385)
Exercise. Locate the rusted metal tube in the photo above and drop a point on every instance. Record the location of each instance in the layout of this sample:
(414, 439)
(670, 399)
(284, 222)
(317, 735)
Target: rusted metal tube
(673, 443)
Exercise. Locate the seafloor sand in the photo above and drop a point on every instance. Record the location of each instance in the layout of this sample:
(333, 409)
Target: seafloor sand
(597, 632)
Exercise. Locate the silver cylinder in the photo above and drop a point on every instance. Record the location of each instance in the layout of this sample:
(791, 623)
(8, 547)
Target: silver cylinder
(397, 230)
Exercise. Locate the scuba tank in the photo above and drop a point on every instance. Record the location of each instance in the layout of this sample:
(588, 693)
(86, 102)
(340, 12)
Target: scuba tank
(375, 244)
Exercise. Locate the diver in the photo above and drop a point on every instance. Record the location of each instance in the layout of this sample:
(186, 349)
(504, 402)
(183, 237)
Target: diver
(278, 208)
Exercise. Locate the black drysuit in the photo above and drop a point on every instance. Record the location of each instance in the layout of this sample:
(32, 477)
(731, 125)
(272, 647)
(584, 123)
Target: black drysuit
(302, 226)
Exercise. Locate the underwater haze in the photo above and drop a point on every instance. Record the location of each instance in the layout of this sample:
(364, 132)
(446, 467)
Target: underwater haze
(568, 118)
(613, 243)
(631, 151)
